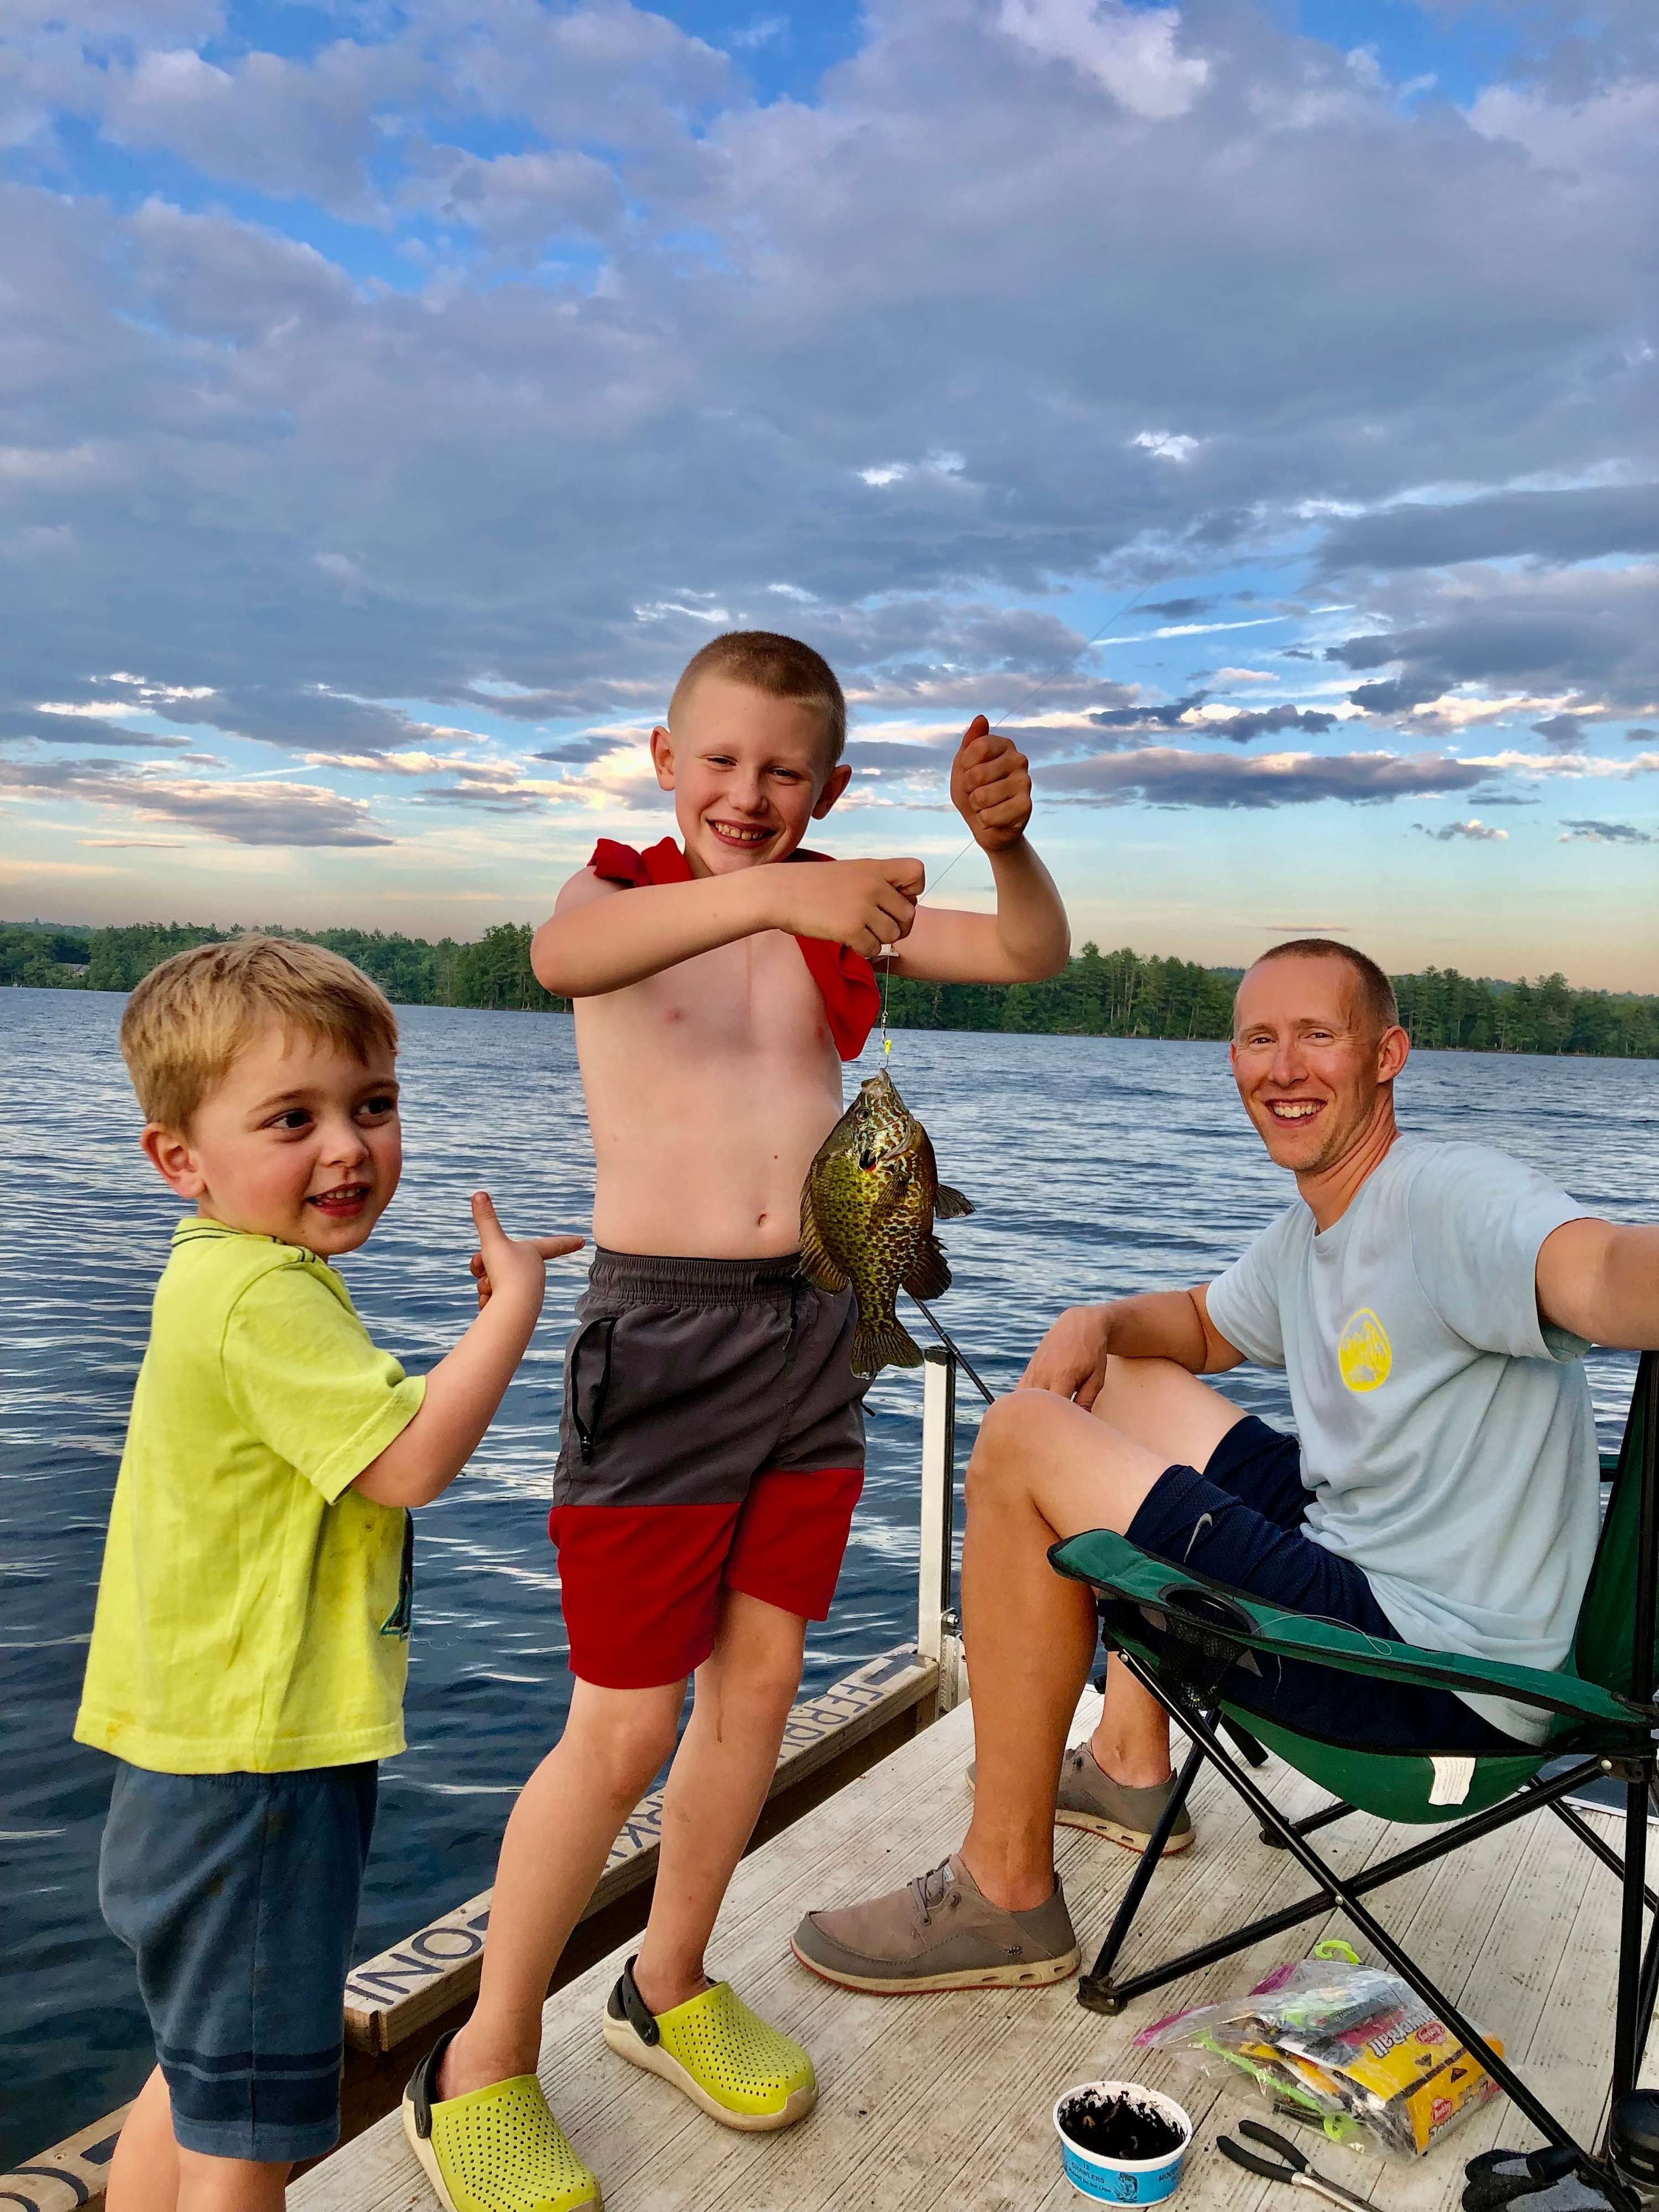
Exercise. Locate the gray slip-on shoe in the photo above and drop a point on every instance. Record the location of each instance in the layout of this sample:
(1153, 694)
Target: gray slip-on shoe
(1088, 1798)
(940, 1932)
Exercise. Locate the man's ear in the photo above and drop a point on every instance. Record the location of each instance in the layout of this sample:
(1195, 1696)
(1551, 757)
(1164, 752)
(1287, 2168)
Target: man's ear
(1394, 1049)
(170, 1154)
(662, 757)
(840, 777)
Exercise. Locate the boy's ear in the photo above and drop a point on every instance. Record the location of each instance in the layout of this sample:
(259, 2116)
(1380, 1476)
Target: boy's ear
(840, 777)
(170, 1155)
(662, 757)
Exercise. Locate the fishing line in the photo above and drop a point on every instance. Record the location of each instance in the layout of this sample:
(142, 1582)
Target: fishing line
(1019, 707)
(888, 958)
(953, 1347)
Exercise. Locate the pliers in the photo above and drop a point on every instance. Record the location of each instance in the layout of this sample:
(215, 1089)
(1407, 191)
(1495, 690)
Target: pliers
(1295, 2169)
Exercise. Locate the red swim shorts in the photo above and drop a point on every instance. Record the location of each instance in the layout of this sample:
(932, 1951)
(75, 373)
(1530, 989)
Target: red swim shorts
(712, 1439)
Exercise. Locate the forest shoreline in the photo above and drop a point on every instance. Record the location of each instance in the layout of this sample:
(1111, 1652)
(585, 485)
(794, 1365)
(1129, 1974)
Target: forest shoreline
(1122, 993)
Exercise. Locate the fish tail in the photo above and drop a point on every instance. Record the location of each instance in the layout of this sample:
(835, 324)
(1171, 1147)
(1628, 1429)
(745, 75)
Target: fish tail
(881, 1344)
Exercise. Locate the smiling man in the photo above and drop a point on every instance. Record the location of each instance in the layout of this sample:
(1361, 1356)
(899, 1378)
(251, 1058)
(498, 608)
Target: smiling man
(1431, 1302)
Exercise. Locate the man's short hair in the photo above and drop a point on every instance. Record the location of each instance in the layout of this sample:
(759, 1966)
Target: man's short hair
(1373, 991)
(188, 1020)
(782, 667)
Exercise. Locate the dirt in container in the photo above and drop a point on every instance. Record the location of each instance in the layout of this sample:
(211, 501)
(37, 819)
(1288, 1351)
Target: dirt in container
(1114, 2127)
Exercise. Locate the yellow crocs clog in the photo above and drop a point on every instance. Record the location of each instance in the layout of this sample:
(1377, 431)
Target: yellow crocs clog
(498, 2150)
(723, 2056)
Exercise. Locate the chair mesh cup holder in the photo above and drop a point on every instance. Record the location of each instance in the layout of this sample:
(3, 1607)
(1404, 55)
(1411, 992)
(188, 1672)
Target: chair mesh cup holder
(1203, 1628)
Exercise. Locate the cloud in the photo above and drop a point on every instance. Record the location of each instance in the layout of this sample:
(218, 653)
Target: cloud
(1130, 53)
(1578, 525)
(1573, 767)
(760, 31)
(283, 127)
(1193, 713)
(1586, 640)
(1144, 716)
(1564, 732)
(251, 813)
(1604, 833)
(1473, 832)
(1166, 445)
(523, 203)
(1165, 777)
(1244, 676)
(1257, 722)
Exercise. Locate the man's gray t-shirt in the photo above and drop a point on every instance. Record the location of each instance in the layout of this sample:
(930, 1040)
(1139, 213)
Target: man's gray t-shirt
(1448, 1440)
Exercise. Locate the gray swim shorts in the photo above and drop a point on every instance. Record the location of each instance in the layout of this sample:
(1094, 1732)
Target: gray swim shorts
(712, 1438)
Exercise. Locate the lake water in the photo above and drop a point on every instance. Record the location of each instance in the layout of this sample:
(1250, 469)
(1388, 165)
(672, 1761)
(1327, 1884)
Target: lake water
(1098, 1167)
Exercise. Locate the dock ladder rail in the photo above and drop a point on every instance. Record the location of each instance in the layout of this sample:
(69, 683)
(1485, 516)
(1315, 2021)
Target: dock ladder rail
(938, 1625)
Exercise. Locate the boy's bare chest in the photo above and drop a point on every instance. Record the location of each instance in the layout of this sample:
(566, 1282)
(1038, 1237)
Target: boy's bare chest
(753, 1000)
(759, 987)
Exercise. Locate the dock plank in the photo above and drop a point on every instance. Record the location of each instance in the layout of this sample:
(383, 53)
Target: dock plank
(930, 2104)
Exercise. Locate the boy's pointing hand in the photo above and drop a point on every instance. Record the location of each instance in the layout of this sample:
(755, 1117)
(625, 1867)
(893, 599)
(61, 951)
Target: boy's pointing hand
(990, 786)
(512, 1264)
(867, 905)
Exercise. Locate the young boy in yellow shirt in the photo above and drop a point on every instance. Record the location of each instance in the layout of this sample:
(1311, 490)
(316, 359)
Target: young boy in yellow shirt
(249, 1651)
(712, 1446)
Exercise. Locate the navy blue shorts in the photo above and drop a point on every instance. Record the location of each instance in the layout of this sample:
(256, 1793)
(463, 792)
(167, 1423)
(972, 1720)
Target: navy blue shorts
(1242, 1522)
(237, 1894)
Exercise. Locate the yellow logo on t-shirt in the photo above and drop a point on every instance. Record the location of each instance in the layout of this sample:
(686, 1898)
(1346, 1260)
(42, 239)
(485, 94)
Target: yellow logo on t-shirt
(1362, 1350)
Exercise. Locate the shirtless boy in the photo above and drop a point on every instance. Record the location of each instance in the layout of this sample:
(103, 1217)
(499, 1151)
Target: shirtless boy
(712, 1446)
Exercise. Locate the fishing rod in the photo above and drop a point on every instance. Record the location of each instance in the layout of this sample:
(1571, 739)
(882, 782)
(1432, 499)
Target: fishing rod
(953, 1348)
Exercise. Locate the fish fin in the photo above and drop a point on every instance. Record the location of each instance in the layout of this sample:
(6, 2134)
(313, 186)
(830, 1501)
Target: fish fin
(930, 1273)
(816, 1264)
(948, 1204)
(877, 1344)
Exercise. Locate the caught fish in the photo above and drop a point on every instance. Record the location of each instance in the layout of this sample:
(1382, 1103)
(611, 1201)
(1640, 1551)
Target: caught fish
(866, 1218)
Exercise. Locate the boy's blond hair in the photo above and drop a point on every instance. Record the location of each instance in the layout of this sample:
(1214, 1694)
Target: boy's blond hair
(189, 1018)
(782, 667)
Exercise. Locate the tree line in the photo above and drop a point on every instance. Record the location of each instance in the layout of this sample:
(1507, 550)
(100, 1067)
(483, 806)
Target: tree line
(493, 971)
(1122, 993)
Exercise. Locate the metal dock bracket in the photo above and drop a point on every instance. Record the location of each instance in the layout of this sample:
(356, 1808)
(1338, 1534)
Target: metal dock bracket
(938, 1626)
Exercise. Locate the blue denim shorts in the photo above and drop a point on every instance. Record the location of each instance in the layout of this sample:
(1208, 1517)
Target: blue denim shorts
(1242, 1522)
(237, 1895)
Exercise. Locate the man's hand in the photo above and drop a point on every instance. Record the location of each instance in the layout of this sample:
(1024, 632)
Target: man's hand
(867, 905)
(991, 786)
(1071, 1360)
(514, 1265)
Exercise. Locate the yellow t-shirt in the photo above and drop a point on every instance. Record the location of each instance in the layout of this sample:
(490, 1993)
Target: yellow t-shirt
(252, 1612)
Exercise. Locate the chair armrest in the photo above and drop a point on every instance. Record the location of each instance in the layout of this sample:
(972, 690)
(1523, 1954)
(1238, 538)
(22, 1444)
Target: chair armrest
(1121, 1572)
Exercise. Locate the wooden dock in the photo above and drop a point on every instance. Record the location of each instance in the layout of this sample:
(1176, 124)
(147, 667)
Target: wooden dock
(941, 2104)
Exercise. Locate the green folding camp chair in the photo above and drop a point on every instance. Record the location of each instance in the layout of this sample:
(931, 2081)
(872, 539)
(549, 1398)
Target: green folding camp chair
(1199, 1647)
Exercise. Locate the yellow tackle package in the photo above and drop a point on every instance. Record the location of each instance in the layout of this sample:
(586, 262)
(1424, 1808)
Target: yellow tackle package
(1350, 2047)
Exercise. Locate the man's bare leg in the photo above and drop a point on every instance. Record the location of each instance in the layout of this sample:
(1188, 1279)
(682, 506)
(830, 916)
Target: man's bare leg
(1042, 1468)
(1156, 1403)
(716, 1787)
(568, 1816)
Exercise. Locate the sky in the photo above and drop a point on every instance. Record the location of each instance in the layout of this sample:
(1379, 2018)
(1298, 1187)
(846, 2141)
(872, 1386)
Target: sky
(1251, 404)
